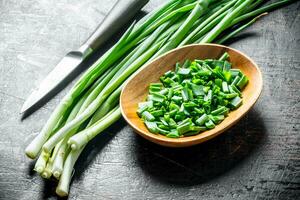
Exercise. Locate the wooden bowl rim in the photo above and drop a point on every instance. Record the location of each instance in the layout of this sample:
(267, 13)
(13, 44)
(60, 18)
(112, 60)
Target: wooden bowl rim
(201, 137)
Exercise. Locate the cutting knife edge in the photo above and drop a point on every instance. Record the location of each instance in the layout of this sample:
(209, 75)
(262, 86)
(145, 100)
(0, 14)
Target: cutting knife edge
(62, 70)
(119, 15)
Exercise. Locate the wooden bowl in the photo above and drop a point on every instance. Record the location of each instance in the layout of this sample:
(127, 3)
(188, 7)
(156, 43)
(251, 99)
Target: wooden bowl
(136, 90)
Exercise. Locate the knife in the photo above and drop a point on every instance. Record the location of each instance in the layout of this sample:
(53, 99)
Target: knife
(119, 15)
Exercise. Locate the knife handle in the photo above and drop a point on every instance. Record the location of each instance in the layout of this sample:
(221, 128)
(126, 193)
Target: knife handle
(118, 16)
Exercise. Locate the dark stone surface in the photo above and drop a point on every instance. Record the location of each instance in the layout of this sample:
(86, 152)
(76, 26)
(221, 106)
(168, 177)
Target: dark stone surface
(259, 158)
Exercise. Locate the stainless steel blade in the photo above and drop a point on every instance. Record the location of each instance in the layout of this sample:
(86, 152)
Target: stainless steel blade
(118, 16)
(63, 69)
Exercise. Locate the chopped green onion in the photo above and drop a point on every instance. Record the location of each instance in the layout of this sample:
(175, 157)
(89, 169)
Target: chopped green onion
(184, 71)
(200, 95)
(236, 102)
(210, 124)
(224, 57)
(235, 89)
(157, 113)
(185, 94)
(242, 82)
(235, 80)
(197, 89)
(201, 120)
(231, 95)
(219, 110)
(183, 128)
(173, 134)
(148, 116)
(235, 72)
(225, 87)
(152, 126)
(218, 82)
(217, 119)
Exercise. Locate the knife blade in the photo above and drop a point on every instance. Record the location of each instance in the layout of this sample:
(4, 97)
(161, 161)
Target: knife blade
(119, 15)
(64, 68)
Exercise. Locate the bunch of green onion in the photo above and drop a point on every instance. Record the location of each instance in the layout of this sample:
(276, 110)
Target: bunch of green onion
(92, 105)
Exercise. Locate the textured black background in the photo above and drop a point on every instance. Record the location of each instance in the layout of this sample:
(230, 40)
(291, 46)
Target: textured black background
(257, 159)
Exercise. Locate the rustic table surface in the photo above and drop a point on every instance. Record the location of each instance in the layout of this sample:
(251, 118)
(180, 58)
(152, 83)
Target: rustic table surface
(257, 159)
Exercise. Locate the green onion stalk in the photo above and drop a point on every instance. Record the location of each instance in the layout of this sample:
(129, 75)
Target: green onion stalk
(92, 104)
